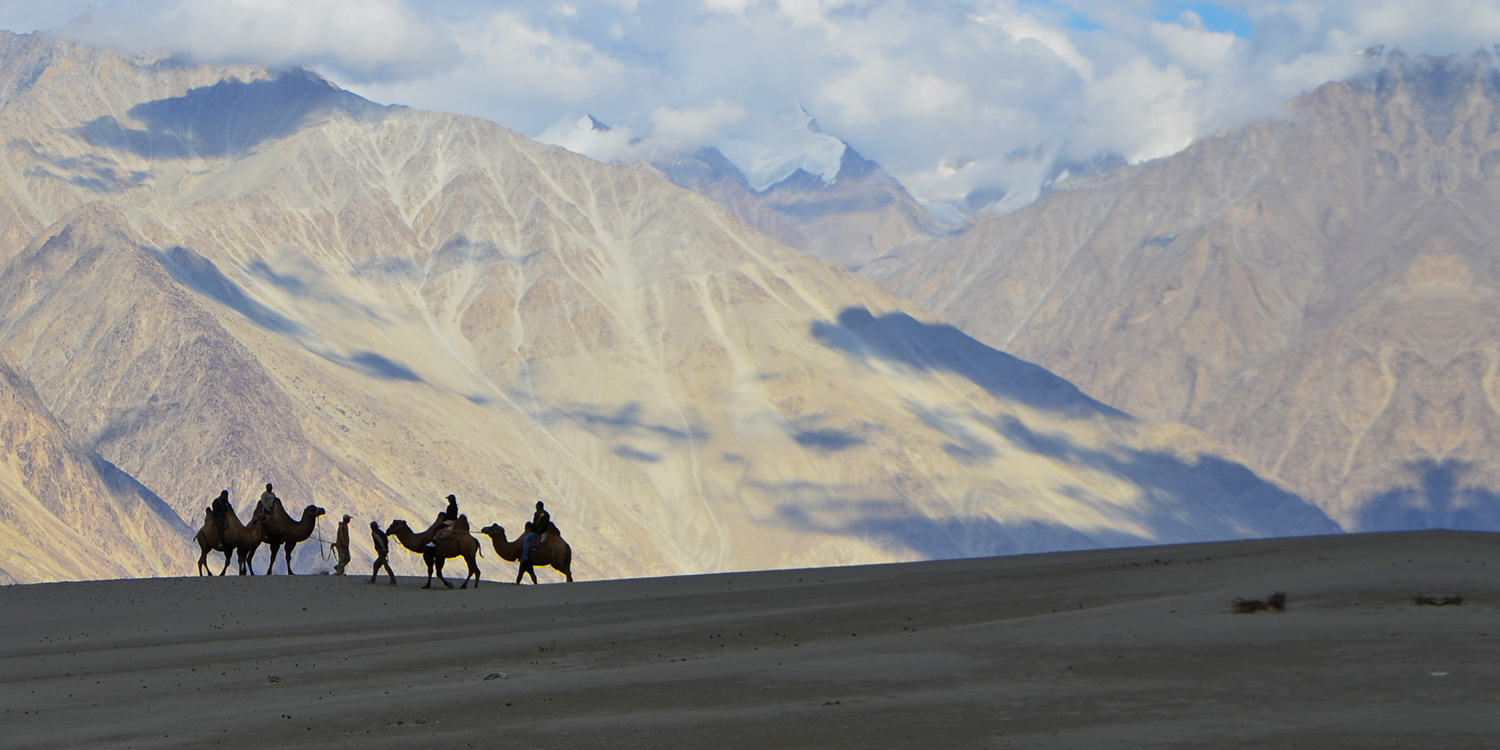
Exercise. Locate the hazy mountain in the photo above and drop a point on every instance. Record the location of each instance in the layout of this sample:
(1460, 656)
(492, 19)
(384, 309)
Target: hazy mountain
(854, 213)
(1318, 292)
(217, 277)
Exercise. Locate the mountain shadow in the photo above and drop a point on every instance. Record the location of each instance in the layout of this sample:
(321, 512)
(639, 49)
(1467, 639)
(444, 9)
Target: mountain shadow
(229, 118)
(902, 339)
(1438, 498)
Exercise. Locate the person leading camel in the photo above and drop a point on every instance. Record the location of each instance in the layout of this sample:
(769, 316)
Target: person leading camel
(341, 545)
(382, 552)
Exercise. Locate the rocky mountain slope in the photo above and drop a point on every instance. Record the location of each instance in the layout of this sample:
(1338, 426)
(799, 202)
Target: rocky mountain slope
(1320, 293)
(218, 277)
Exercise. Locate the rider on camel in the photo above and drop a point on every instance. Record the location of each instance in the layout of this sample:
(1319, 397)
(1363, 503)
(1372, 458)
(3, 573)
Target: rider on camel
(541, 523)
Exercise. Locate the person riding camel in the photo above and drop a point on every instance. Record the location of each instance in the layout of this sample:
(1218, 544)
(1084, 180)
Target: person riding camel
(221, 510)
(268, 501)
(541, 523)
(450, 518)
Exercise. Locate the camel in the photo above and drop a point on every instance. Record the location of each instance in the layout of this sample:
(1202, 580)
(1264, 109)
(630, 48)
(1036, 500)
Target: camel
(554, 552)
(434, 553)
(281, 529)
(236, 537)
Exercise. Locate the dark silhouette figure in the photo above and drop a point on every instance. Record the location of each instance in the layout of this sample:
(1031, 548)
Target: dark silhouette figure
(382, 553)
(221, 509)
(541, 523)
(268, 501)
(341, 546)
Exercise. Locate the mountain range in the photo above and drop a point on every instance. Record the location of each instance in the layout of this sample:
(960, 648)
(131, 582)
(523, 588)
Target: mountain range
(220, 276)
(1318, 292)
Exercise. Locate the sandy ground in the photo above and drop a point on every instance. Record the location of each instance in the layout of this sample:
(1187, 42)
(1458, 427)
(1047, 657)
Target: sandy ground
(1105, 649)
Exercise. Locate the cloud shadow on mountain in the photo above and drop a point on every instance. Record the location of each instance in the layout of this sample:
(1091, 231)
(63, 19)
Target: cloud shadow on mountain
(1228, 488)
(902, 339)
(895, 525)
(200, 274)
(1202, 499)
(1437, 498)
(827, 440)
(94, 172)
(382, 366)
(623, 421)
(635, 454)
(286, 282)
(227, 118)
(961, 444)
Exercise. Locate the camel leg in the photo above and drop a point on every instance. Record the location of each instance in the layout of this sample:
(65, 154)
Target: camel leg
(203, 564)
(247, 560)
(439, 562)
(227, 554)
(473, 572)
(271, 564)
(289, 547)
(427, 558)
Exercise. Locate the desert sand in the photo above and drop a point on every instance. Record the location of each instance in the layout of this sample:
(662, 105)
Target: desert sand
(1113, 648)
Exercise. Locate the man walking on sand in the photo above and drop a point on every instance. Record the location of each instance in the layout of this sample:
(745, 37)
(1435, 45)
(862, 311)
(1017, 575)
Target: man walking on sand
(382, 550)
(341, 545)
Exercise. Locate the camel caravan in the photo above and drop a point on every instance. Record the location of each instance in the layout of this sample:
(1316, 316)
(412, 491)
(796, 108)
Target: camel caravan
(541, 544)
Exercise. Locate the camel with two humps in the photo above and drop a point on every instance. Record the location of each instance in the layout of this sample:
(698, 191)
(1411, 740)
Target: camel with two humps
(282, 529)
(554, 552)
(234, 538)
(436, 551)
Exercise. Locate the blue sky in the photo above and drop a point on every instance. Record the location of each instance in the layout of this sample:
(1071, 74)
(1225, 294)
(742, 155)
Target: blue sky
(943, 93)
(1214, 16)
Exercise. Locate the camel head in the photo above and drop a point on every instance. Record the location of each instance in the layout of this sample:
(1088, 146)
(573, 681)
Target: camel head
(397, 524)
(494, 531)
(312, 511)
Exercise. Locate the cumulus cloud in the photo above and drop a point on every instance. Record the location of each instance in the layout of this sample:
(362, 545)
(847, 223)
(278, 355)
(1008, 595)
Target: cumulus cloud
(958, 99)
(362, 40)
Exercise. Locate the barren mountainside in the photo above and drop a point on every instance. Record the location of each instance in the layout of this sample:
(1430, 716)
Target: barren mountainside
(1319, 293)
(218, 277)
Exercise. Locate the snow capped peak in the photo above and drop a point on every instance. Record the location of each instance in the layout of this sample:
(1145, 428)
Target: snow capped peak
(794, 142)
(590, 122)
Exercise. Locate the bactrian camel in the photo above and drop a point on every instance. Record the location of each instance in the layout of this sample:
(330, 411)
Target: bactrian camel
(435, 551)
(235, 537)
(554, 552)
(281, 529)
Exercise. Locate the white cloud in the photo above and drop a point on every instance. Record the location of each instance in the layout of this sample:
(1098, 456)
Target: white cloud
(360, 39)
(998, 86)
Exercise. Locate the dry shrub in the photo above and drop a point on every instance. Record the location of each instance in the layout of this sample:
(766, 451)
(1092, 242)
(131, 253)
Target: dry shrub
(1274, 603)
(1439, 602)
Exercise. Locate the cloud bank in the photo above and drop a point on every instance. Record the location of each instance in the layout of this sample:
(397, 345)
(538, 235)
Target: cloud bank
(953, 97)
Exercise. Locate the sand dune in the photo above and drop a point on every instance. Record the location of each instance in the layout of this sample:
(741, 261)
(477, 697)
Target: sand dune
(1111, 648)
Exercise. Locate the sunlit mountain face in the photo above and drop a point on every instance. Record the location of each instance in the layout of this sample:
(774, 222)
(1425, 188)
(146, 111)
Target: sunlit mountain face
(214, 277)
(1319, 293)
